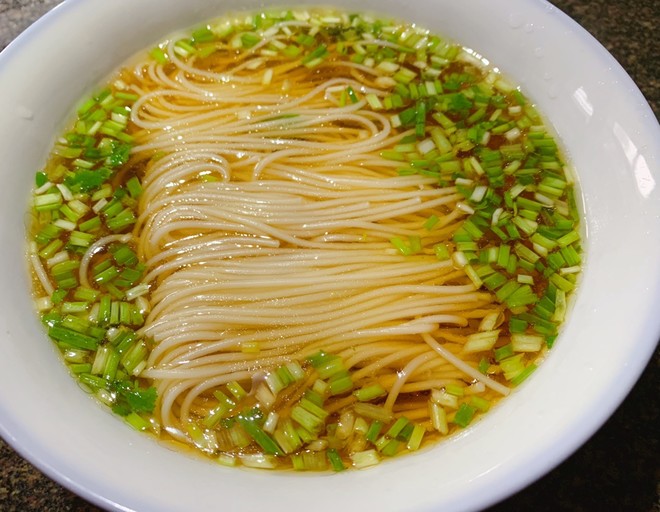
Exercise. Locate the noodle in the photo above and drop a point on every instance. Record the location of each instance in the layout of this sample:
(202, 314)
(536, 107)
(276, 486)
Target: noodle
(196, 295)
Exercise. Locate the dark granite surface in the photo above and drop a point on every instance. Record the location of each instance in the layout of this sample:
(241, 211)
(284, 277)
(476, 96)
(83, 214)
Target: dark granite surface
(618, 469)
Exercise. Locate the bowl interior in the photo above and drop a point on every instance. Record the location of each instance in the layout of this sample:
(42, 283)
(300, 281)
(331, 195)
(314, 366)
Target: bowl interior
(611, 138)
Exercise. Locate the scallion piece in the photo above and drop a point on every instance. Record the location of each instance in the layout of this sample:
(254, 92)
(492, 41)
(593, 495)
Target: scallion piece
(398, 425)
(480, 403)
(248, 420)
(518, 379)
(136, 421)
(374, 431)
(365, 458)
(416, 438)
(438, 417)
(464, 415)
(73, 338)
(368, 393)
(372, 412)
(335, 460)
(503, 352)
(521, 342)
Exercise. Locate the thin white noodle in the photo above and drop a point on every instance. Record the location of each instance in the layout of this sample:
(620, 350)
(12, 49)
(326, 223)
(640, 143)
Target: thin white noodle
(403, 376)
(41, 273)
(464, 367)
(266, 223)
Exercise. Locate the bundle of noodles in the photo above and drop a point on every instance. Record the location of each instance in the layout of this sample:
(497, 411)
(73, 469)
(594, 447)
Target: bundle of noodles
(266, 224)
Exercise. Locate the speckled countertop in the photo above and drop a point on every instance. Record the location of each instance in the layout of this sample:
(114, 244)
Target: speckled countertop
(618, 469)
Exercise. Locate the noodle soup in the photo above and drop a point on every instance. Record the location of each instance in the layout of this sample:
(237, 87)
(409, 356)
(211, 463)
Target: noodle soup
(304, 239)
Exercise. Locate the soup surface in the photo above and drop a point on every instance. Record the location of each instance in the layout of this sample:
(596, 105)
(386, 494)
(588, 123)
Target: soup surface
(304, 239)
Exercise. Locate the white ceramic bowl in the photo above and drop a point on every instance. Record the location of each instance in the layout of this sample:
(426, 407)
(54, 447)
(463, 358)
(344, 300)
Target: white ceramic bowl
(611, 137)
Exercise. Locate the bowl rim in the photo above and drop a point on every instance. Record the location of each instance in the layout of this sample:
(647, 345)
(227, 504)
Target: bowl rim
(647, 120)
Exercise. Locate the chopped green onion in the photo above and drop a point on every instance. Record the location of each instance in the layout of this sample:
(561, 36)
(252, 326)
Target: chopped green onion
(464, 415)
(368, 393)
(373, 412)
(335, 460)
(248, 421)
(365, 458)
